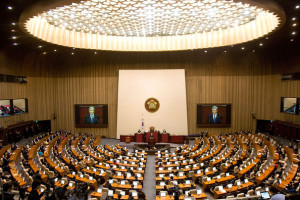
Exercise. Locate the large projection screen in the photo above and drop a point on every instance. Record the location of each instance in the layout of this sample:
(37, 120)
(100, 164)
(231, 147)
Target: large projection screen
(167, 86)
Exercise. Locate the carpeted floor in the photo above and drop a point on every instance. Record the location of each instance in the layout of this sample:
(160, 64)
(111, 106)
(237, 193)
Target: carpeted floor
(149, 178)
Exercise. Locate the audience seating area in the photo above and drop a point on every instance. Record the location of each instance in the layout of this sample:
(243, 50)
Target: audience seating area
(67, 165)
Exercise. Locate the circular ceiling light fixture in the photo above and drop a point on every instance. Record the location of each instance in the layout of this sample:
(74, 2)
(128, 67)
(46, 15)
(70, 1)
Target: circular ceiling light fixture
(151, 25)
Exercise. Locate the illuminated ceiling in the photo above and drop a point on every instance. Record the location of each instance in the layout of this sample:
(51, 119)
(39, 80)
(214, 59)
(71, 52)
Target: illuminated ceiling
(151, 25)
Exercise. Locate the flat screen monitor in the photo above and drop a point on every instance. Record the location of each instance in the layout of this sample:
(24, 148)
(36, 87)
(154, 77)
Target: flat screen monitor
(6, 108)
(265, 195)
(91, 115)
(20, 106)
(213, 115)
(289, 105)
(298, 107)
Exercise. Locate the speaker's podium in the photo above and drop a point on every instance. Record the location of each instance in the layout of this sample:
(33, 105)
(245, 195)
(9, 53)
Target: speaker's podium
(151, 140)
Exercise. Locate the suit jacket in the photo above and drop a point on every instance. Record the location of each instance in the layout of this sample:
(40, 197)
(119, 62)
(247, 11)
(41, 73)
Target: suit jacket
(210, 119)
(87, 119)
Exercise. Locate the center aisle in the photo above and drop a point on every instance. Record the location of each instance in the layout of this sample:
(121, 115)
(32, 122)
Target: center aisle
(149, 187)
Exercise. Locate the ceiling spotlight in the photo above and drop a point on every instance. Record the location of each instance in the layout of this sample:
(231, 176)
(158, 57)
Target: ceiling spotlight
(72, 53)
(205, 51)
(13, 23)
(297, 7)
(55, 50)
(15, 44)
(292, 40)
(267, 38)
(243, 48)
(294, 33)
(14, 37)
(9, 8)
(45, 52)
(294, 18)
(95, 53)
(225, 51)
(40, 46)
(294, 24)
(260, 44)
(13, 30)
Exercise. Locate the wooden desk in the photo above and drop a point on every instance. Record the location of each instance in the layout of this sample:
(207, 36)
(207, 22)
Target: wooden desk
(126, 187)
(234, 189)
(216, 181)
(115, 196)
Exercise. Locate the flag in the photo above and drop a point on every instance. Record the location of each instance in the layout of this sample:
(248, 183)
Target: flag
(143, 126)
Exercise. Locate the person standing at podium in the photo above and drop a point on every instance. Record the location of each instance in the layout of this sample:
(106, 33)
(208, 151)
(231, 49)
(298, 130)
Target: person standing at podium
(214, 117)
(91, 118)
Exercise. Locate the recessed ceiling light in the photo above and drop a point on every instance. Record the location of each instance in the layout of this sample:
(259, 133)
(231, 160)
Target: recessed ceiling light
(9, 7)
(13, 30)
(292, 40)
(15, 44)
(297, 7)
(95, 53)
(260, 44)
(40, 46)
(72, 53)
(294, 33)
(225, 51)
(294, 18)
(253, 50)
(267, 38)
(294, 24)
(45, 52)
(205, 51)
(54, 49)
(243, 48)
(13, 23)
(14, 37)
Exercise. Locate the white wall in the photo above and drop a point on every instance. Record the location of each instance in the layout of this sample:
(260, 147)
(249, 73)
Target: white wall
(167, 86)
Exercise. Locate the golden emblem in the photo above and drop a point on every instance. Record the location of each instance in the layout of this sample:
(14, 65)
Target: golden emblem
(152, 105)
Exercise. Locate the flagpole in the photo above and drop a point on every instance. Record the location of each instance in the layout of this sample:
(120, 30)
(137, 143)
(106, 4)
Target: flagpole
(143, 127)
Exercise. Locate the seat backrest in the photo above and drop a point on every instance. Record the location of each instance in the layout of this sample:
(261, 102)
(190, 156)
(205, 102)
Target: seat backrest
(250, 192)
(241, 195)
(230, 197)
(257, 189)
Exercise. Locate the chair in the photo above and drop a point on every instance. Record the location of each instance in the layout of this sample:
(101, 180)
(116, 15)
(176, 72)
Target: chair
(105, 190)
(131, 191)
(42, 187)
(240, 195)
(252, 176)
(115, 180)
(118, 192)
(230, 197)
(51, 174)
(191, 174)
(251, 193)
(236, 169)
(193, 191)
(236, 181)
(257, 189)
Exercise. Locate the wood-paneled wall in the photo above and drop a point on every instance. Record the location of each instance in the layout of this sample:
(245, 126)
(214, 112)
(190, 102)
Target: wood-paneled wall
(249, 81)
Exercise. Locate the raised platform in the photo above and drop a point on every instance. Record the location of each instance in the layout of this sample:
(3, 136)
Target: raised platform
(131, 144)
(151, 150)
